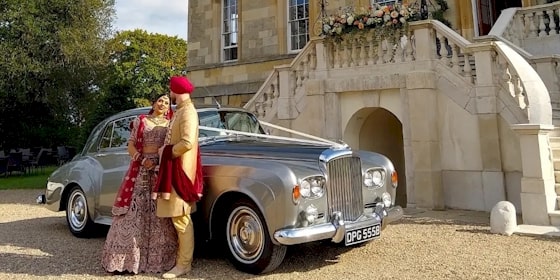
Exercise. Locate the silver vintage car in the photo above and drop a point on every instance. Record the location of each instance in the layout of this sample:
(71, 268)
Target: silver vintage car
(262, 192)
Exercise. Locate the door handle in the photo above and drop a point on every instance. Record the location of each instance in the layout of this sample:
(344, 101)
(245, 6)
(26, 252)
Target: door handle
(101, 155)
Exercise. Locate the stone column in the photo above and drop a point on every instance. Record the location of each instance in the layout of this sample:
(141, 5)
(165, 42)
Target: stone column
(538, 197)
(487, 111)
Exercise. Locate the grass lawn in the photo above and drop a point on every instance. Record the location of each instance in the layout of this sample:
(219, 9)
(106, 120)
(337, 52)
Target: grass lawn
(34, 180)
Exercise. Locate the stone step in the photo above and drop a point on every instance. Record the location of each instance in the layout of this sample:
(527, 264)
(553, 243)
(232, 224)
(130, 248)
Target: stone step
(556, 162)
(556, 174)
(557, 189)
(555, 153)
(554, 217)
(554, 142)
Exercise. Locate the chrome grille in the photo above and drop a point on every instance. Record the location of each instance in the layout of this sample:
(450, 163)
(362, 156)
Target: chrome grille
(344, 187)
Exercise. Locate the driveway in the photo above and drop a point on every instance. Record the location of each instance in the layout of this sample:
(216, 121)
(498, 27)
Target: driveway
(36, 244)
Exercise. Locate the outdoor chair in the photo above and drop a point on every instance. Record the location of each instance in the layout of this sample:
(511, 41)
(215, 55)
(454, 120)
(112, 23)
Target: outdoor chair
(41, 160)
(15, 163)
(62, 155)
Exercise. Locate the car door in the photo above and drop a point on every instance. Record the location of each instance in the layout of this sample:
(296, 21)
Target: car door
(113, 157)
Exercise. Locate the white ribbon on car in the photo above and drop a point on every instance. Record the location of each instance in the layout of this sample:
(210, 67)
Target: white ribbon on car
(315, 140)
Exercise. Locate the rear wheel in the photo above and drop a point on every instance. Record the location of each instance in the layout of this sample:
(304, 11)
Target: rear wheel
(248, 241)
(77, 214)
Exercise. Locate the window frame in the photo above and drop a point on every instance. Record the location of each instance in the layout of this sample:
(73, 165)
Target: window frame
(289, 27)
(223, 47)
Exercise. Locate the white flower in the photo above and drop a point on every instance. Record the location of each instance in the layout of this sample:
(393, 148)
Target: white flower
(350, 20)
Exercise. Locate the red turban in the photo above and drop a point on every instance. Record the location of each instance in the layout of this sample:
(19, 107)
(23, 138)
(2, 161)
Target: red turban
(180, 85)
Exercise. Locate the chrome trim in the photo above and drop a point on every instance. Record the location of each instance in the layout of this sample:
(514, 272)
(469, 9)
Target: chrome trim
(344, 187)
(335, 230)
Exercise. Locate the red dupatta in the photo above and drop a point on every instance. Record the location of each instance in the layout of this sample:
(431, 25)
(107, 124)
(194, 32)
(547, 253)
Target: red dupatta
(124, 195)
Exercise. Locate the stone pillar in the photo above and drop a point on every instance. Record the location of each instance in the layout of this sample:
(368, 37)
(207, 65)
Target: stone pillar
(538, 197)
(286, 103)
(493, 184)
(424, 139)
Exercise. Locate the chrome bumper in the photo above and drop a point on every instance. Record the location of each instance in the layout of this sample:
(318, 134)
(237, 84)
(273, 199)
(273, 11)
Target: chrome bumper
(51, 199)
(336, 229)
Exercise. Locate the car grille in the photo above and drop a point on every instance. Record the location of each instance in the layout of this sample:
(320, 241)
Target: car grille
(344, 187)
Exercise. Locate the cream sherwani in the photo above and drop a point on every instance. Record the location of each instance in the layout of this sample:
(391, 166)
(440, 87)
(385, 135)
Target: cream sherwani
(183, 135)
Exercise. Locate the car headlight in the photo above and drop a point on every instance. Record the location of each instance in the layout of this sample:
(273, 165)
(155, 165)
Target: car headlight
(374, 178)
(312, 187)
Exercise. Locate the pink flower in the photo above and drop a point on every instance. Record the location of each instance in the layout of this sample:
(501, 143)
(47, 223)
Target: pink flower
(394, 14)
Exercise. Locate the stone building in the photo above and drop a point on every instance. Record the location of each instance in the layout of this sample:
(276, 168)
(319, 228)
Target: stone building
(466, 112)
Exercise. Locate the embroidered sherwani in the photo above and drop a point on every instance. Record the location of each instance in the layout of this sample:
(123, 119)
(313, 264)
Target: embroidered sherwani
(183, 135)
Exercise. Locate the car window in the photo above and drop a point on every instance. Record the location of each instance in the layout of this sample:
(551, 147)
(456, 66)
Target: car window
(106, 137)
(121, 132)
(116, 133)
(232, 120)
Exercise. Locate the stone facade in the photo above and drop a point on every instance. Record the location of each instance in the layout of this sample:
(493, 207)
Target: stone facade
(445, 120)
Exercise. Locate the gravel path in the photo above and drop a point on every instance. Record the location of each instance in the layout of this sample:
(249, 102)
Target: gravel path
(36, 244)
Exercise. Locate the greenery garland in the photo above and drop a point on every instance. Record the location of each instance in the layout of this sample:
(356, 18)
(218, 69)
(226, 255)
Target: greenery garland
(438, 13)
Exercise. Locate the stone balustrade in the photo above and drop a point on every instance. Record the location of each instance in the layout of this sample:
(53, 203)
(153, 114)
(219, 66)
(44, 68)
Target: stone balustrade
(482, 64)
(371, 47)
(535, 29)
(264, 102)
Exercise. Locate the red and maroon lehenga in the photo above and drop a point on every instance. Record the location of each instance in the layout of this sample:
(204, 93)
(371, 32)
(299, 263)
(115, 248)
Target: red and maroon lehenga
(139, 241)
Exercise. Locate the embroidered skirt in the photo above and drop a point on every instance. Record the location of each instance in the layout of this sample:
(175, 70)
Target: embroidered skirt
(139, 241)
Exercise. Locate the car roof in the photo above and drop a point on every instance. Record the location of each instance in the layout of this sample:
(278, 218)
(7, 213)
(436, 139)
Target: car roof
(199, 108)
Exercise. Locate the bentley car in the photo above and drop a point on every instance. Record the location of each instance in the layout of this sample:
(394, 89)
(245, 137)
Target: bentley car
(262, 192)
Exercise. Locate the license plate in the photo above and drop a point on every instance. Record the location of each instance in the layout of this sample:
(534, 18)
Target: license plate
(360, 235)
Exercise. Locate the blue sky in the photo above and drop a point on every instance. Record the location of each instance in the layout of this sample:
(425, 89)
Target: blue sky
(165, 17)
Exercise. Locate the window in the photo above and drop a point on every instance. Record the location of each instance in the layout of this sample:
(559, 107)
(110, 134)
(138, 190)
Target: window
(230, 19)
(298, 22)
(116, 134)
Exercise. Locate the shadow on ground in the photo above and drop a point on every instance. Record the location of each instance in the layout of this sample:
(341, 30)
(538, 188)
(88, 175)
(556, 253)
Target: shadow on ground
(45, 247)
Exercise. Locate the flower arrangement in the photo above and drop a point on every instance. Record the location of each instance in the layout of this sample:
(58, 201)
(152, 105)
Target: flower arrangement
(376, 16)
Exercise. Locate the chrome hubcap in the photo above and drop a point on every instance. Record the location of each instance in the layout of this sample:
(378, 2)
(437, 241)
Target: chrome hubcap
(78, 210)
(246, 235)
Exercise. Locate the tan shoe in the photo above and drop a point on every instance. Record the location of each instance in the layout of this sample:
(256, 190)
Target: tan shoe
(176, 272)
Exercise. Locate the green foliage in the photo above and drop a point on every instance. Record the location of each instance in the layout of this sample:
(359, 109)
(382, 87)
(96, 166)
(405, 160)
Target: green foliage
(62, 70)
(144, 62)
(437, 10)
(52, 55)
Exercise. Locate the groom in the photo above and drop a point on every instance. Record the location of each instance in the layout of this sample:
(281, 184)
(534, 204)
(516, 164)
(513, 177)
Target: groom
(179, 184)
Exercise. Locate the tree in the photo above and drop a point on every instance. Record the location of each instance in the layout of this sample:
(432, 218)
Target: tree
(139, 67)
(144, 62)
(52, 57)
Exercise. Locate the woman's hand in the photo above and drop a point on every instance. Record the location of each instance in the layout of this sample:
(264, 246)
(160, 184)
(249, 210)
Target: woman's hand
(148, 163)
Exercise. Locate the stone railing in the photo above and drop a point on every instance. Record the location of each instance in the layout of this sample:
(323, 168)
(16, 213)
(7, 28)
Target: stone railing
(291, 77)
(430, 44)
(370, 47)
(535, 29)
(452, 51)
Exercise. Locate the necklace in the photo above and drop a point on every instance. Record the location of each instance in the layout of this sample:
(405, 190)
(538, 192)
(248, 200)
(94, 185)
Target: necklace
(157, 120)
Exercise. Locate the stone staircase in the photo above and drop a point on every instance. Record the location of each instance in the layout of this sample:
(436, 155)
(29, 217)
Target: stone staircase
(555, 146)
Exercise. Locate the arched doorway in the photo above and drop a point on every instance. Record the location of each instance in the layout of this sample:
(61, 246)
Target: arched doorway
(379, 130)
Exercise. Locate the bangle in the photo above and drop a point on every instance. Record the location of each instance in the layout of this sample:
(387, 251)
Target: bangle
(136, 156)
(143, 160)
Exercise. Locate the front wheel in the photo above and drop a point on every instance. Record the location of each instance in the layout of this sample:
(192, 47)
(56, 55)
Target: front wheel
(77, 214)
(248, 241)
